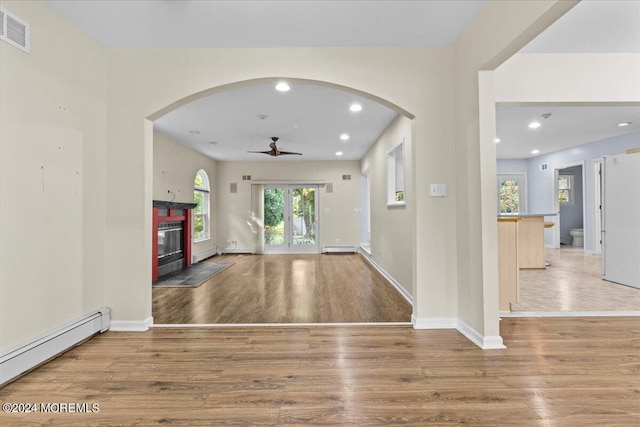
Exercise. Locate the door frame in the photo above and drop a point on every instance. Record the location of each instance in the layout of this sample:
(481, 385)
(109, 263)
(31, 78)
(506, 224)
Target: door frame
(555, 231)
(597, 166)
(288, 247)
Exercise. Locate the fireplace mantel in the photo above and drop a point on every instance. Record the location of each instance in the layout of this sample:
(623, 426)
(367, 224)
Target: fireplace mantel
(162, 204)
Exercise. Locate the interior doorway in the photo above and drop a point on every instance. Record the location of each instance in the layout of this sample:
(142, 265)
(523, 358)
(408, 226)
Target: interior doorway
(291, 223)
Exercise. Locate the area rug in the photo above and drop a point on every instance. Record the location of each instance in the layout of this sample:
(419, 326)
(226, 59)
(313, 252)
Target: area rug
(192, 276)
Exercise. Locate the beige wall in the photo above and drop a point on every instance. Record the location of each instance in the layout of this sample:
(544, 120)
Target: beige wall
(499, 31)
(391, 227)
(174, 170)
(114, 160)
(339, 224)
(143, 82)
(52, 177)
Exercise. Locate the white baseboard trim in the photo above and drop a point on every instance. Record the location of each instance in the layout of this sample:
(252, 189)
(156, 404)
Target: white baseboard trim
(484, 342)
(277, 325)
(548, 246)
(610, 313)
(21, 359)
(131, 325)
(235, 251)
(387, 276)
(434, 322)
(204, 255)
(490, 342)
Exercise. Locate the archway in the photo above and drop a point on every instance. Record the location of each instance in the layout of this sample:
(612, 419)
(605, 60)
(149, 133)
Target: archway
(406, 249)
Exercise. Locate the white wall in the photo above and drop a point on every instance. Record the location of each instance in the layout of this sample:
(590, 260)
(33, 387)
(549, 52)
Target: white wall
(174, 170)
(391, 227)
(338, 222)
(52, 177)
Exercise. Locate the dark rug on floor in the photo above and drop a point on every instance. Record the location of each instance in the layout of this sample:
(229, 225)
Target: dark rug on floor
(192, 276)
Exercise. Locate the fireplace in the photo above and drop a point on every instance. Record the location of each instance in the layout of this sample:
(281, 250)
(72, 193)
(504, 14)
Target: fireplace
(171, 237)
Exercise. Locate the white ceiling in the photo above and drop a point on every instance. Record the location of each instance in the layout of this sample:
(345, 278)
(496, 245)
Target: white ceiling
(567, 127)
(591, 26)
(206, 23)
(307, 119)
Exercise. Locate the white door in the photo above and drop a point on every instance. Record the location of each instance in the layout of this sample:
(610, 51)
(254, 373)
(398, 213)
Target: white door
(291, 219)
(621, 215)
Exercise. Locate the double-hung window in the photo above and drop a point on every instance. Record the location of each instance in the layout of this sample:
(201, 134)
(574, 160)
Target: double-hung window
(565, 190)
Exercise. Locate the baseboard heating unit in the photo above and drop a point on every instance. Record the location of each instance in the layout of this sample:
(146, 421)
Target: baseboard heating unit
(22, 359)
(339, 250)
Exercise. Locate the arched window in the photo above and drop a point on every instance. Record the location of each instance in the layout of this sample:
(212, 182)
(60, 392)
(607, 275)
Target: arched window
(201, 217)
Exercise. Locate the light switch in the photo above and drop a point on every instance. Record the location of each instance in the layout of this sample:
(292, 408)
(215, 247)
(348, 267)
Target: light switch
(438, 190)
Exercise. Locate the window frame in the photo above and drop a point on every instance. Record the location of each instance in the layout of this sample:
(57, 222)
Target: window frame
(571, 198)
(396, 160)
(204, 189)
(521, 178)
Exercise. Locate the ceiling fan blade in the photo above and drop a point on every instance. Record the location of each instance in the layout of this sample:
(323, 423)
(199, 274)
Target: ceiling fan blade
(280, 153)
(274, 150)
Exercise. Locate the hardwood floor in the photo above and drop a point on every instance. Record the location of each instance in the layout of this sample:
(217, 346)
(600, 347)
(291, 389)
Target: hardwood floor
(308, 288)
(554, 372)
(573, 282)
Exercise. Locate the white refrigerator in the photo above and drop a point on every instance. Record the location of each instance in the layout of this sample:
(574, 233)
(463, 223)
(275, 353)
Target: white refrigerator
(621, 219)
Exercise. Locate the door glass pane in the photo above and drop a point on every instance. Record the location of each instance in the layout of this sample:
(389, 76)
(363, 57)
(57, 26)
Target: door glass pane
(274, 216)
(509, 196)
(303, 219)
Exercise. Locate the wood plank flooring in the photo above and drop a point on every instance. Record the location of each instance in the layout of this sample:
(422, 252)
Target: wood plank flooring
(554, 372)
(573, 282)
(307, 288)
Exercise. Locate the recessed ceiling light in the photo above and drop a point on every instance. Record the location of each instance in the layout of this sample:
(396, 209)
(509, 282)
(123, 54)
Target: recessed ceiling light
(282, 87)
(355, 107)
(344, 136)
(623, 124)
(496, 140)
(194, 132)
(213, 143)
(338, 153)
(534, 125)
(535, 151)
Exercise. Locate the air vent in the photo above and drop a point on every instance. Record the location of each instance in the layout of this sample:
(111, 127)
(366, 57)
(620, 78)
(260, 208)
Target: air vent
(329, 187)
(246, 177)
(14, 30)
(346, 177)
(544, 167)
(233, 187)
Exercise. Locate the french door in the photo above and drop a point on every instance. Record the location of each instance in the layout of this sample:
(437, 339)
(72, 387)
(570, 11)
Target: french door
(291, 219)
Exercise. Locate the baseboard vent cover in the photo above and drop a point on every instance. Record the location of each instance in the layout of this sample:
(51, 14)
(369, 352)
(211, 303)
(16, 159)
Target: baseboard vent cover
(339, 250)
(24, 358)
(204, 255)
